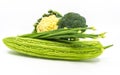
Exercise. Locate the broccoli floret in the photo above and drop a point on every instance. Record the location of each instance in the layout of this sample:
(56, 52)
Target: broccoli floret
(72, 20)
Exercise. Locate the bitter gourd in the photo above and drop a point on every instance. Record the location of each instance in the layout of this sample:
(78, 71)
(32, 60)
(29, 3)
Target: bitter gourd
(69, 50)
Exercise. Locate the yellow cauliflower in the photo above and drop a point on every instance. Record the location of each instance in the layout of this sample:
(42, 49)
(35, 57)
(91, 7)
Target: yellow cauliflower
(47, 24)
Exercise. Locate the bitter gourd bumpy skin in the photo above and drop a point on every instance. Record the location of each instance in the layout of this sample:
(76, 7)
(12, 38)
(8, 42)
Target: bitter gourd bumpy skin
(72, 50)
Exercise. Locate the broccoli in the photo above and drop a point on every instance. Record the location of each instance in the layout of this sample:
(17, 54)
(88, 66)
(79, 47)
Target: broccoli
(72, 20)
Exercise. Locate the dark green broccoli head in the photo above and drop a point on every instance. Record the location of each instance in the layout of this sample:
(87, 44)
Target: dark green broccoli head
(72, 20)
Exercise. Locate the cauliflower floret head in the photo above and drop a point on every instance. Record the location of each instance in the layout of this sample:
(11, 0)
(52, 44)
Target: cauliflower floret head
(47, 24)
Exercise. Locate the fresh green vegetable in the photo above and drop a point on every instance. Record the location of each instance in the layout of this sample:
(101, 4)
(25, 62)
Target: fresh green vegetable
(72, 20)
(63, 34)
(68, 50)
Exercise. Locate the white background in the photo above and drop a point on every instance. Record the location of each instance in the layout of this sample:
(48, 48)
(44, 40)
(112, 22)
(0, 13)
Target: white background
(18, 16)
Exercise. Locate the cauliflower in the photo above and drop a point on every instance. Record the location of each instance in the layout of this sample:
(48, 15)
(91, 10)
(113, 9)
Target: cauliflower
(47, 24)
